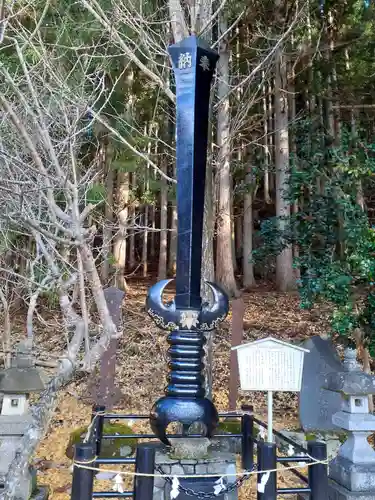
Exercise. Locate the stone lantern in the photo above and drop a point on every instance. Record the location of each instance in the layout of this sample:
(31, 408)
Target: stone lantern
(16, 385)
(18, 382)
(352, 472)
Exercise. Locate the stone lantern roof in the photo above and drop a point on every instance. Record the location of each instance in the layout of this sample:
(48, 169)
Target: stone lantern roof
(350, 384)
(22, 377)
(352, 381)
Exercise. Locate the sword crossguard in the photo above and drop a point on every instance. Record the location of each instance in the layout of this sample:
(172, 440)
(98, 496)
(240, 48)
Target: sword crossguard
(169, 317)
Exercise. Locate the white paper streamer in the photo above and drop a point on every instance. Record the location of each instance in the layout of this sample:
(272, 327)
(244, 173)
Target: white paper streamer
(219, 486)
(262, 432)
(303, 464)
(263, 482)
(175, 491)
(119, 484)
(290, 451)
(105, 476)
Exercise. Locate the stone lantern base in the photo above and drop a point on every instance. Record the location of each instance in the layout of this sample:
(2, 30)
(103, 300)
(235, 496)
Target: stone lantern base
(28, 487)
(337, 492)
(41, 493)
(353, 476)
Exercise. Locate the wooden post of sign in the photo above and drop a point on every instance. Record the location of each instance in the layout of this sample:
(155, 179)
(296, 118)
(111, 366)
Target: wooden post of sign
(103, 390)
(238, 311)
(270, 416)
(109, 394)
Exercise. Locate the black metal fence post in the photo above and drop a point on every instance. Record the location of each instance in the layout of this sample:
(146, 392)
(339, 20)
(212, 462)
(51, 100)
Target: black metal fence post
(247, 429)
(318, 477)
(98, 426)
(267, 461)
(145, 464)
(83, 479)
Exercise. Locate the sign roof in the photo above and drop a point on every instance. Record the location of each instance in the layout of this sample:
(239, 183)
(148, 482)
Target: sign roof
(256, 343)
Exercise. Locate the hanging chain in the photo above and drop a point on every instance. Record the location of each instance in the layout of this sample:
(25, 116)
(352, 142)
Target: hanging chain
(202, 495)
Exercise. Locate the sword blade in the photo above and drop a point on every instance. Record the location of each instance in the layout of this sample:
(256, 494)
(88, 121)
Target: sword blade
(193, 65)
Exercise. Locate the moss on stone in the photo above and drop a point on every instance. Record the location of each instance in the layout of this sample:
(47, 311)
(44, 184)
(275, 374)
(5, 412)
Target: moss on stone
(310, 437)
(110, 447)
(341, 436)
(233, 427)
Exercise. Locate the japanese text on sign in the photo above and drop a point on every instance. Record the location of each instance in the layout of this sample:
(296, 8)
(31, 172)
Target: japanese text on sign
(270, 369)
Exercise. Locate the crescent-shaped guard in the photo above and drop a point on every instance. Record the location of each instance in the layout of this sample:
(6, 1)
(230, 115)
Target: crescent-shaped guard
(168, 317)
(164, 315)
(211, 316)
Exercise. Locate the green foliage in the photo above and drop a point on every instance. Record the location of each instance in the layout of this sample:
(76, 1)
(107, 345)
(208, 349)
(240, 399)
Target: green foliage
(147, 198)
(95, 194)
(111, 260)
(335, 241)
(128, 165)
(52, 299)
(8, 239)
(172, 192)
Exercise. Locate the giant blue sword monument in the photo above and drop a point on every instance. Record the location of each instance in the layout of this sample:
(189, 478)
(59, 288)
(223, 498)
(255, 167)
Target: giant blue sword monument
(186, 317)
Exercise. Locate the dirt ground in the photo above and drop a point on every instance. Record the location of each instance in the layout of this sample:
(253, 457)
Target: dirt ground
(141, 370)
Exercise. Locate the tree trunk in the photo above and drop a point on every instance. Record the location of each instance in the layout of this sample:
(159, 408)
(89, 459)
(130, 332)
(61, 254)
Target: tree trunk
(224, 249)
(132, 217)
(270, 138)
(354, 137)
(267, 152)
(162, 272)
(239, 236)
(6, 334)
(146, 209)
(119, 247)
(153, 231)
(173, 236)
(145, 242)
(285, 279)
(248, 266)
(108, 214)
(122, 200)
(233, 235)
(152, 212)
(207, 267)
(293, 149)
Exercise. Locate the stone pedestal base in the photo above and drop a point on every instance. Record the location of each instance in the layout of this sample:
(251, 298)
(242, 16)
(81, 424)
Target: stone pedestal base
(41, 493)
(354, 477)
(217, 462)
(26, 485)
(337, 492)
